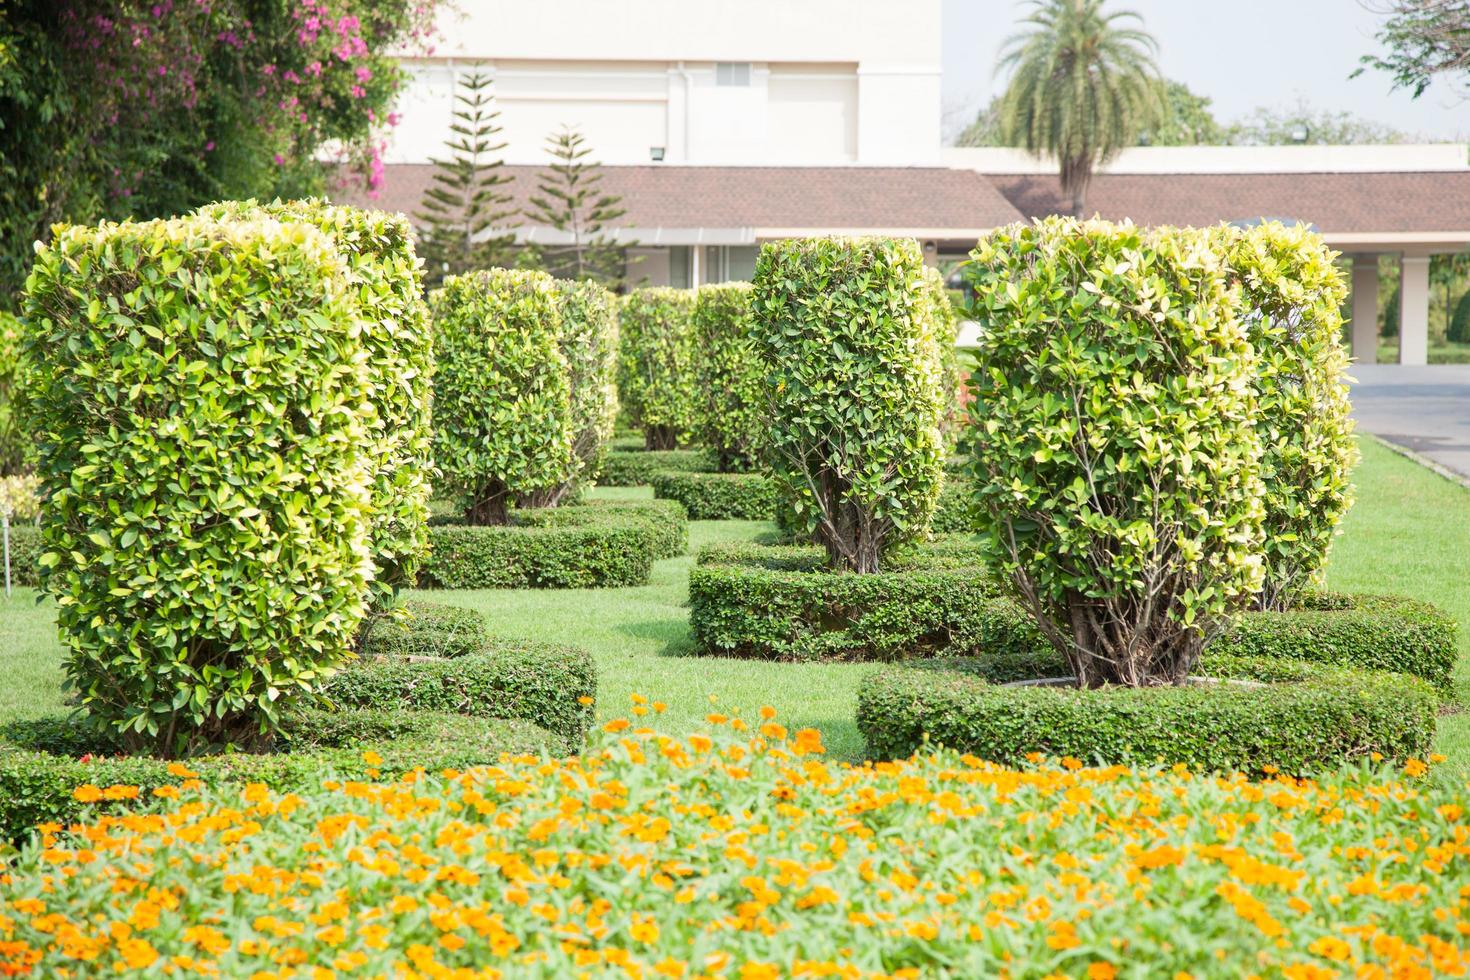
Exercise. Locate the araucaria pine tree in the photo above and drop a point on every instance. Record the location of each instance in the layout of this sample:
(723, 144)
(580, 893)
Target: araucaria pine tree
(569, 201)
(467, 204)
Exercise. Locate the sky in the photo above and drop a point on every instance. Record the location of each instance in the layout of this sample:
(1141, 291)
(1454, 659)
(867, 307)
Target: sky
(1240, 53)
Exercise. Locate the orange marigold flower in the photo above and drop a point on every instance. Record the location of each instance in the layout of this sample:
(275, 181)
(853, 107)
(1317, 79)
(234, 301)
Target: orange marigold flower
(616, 725)
(87, 793)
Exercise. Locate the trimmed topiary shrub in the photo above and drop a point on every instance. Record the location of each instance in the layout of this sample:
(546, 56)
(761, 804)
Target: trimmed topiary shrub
(783, 603)
(25, 554)
(845, 330)
(1459, 328)
(719, 496)
(1116, 465)
(202, 405)
(15, 445)
(589, 341)
(946, 335)
(502, 397)
(590, 546)
(537, 682)
(1291, 296)
(729, 377)
(636, 467)
(1297, 717)
(656, 380)
(426, 629)
(385, 281)
(43, 763)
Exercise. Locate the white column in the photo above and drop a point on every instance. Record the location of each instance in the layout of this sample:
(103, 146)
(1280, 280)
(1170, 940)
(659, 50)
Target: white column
(1365, 309)
(1414, 310)
(694, 253)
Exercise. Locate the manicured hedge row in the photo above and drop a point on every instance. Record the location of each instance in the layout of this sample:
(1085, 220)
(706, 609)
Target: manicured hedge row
(42, 763)
(541, 683)
(781, 603)
(719, 496)
(589, 546)
(628, 467)
(1306, 717)
(25, 554)
(426, 629)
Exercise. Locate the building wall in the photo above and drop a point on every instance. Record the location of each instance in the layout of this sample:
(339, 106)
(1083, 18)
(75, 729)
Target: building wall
(704, 81)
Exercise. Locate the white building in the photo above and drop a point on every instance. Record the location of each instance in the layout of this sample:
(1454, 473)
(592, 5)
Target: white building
(722, 124)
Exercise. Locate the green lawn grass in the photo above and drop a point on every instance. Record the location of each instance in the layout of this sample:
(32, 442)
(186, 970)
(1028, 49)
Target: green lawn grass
(1409, 533)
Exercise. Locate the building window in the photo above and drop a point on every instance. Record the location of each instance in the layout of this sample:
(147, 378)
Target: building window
(732, 73)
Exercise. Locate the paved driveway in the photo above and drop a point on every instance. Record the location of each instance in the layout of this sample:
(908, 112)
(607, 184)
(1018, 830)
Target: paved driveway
(1426, 409)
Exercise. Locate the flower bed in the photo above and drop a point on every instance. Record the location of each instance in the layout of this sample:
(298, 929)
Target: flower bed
(718, 496)
(741, 853)
(783, 603)
(1291, 715)
(600, 544)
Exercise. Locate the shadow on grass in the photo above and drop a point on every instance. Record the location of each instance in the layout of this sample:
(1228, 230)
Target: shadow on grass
(674, 636)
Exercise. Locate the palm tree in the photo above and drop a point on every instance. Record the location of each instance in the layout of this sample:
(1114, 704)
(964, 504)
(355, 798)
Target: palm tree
(1084, 84)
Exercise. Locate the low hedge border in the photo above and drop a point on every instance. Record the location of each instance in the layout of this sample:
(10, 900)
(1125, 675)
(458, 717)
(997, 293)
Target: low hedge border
(1307, 716)
(43, 762)
(425, 629)
(626, 466)
(596, 545)
(782, 603)
(719, 496)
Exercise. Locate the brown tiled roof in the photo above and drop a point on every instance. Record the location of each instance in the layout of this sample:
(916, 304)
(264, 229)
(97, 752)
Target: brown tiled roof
(672, 196)
(1334, 202)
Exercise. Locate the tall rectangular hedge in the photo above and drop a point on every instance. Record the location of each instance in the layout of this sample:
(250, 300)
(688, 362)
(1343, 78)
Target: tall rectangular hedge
(202, 405)
(656, 380)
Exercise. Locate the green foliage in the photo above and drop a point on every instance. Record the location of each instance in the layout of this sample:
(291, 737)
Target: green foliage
(637, 467)
(502, 397)
(589, 342)
(656, 379)
(26, 548)
(569, 201)
(846, 331)
(1300, 123)
(467, 203)
(42, 763)
(383, 277)
(946, 329)
(426, 629)
(536, 682)
(1083, 85)
(1185, 120)
(1459, 329)
(719, 496)
(589, 546)
(202, 405)
(1116, 467)
(15, 444)
(1423, 39)
(729, 376)
(1303, 718)
(782, 603)
(1291, 296)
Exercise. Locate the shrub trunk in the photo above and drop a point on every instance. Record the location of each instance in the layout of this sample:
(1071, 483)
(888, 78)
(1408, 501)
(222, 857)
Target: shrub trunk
(852, 536)
(490, 506)
(546, 497)
(661, 437)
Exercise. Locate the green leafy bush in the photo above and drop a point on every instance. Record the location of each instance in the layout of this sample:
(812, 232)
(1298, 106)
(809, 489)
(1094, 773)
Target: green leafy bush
(656, 380)
(1459, 328)
(426, 629)
(783, 603)
(384, 279)
(729, 376)
(1291, 296)
(589, 546)
(589, 341)
(946, 334)
(42, 763)
(536, 682)
(846, 331)
(719, 496)
(1116, 466)
(15, 444)
(202, 406)
(1304, 717)
(26, 548)
(636, 467)
(502, 397)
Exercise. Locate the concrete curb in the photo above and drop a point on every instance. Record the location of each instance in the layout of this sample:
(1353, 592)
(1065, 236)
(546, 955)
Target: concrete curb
(1424, 461)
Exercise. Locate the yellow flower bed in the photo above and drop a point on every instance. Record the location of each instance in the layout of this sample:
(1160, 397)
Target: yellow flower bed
(738, 852)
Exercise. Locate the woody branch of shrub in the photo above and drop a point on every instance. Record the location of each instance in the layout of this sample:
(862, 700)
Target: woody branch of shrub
(847, 338)
(1120, 469)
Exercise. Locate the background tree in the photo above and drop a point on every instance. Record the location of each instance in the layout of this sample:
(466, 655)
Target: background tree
(466, 204)
(570, 201)
(1425, 39)
(1301, 123)
(985, 129)
(1083, 86)
(1185, 120)
(140, 108)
